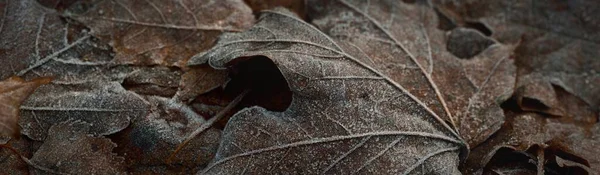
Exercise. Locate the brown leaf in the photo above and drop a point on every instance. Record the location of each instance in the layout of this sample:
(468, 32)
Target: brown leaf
(199, 80)
(13, 91)
(68, 149)
(536, 159)
(403, 42)
(345, 115)
(524, 130)
(160, 32)
(105, 105)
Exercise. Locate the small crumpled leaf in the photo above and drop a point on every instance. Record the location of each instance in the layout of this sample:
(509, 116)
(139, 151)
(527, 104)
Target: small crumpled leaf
(345, 116)
(158, 32)
(105, 105)
(13, 91)
(68, 149)
(403, 42)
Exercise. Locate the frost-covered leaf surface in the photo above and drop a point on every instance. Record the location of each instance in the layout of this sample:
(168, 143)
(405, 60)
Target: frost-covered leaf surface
(402, 40)
(69, 150)
(13, 91)
(345, 116)
(105, 105)
(152, 32)
(32, 35)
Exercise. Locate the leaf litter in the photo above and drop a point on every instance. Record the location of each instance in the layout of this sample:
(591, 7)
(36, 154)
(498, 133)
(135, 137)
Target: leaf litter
(374, 87)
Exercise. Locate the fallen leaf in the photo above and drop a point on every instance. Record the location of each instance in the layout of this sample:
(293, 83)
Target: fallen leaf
(403, 42)
(525, 129)
(31, 36)
(13, 91)
(345, 116)
(536, 159)
(105, 105)
(157, 32)
(68, 149)
(558, 43)
(199, 80)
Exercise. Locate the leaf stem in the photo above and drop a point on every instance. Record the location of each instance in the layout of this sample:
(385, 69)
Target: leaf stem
(208, 124)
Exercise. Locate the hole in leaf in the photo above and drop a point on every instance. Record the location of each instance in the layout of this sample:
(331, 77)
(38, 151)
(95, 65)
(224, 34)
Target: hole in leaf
(479, 26)
(268, 88)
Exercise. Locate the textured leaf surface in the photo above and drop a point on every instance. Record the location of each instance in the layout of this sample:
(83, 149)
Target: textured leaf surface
(13, 91)
(69, 149)
(150, 32)
(558, 44)
(32, 35)
(403, 42)
(345, 117)
(105, 105)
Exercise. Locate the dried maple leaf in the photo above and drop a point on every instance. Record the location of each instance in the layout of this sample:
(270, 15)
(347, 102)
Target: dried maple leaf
(68, 149)
(160, 32)
(13, 91)
(345, 116)
(105, 105)
(403, 42)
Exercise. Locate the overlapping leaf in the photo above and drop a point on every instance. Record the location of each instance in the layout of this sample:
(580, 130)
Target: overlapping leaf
(105, 105)
(13, 91)
(150, 32)
(345, 117)
(70, 150)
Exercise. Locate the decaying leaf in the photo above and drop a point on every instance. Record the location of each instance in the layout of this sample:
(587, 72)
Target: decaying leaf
(105, 105)
(68, 149)
(13, 91)
(403, 42)
(160, 32)
(345, 116)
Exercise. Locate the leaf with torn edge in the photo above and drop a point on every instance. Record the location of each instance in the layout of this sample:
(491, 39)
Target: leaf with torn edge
(13, 91)
(105, 105)
(152, 32)
(403, 42)
(345, 117)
